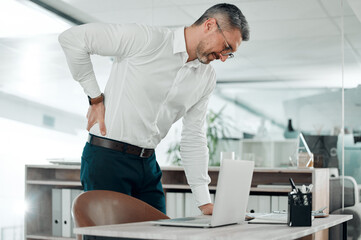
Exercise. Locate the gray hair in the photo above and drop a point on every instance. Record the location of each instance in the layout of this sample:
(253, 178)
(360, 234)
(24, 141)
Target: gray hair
(230, 16)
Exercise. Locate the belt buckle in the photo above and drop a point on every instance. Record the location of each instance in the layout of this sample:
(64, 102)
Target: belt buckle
(142, 153)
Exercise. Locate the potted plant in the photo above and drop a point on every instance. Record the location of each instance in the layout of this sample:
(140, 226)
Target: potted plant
(218, 128)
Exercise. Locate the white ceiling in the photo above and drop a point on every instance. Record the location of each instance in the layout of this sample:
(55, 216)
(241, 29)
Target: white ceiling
(293, 44)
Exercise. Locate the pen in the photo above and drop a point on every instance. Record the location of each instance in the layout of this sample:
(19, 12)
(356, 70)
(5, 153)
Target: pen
(293, 185)
(303, 189)
(310, 187)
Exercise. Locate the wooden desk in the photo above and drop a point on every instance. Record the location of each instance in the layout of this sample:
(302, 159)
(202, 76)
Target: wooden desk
(146, 230)
(174, 179)
(41, 179)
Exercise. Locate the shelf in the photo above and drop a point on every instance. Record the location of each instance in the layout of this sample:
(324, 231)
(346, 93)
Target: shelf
(284, 170)
(253, 189)
(269, 141)
(54, 166)
(270, 190)
(47, 237)
(182, 187)
(54, 182)
(181, 169)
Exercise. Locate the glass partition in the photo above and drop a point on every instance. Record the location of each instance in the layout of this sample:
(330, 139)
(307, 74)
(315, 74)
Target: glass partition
(351, 167)
(352, 81)
(266, 123)
(288, 82)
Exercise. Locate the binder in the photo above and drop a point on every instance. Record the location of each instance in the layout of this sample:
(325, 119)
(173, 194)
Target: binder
(283, 203)
(274, 203)
(213, 197)
(56, 206)
(179, 205)
(66, 212)
(264, 204)
(74, 194)
(252, 206)
(191, 209)
(171, 204)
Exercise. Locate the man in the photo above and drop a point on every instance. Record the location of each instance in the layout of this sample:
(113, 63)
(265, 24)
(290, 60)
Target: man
(158, 76)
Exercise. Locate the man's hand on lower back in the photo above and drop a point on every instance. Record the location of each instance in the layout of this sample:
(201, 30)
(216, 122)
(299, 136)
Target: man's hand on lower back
(96, 114)
(207, 209)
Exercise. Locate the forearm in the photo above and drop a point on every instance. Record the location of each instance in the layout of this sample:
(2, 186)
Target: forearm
(194, 151)
(194, 154)
(198, 180)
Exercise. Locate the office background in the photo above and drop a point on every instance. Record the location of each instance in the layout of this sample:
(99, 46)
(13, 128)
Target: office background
(301, 58)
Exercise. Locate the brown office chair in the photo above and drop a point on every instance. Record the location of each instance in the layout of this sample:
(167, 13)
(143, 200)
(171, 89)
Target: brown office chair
(101, 207)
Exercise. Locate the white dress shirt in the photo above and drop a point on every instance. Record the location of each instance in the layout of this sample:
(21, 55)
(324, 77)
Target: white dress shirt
(150, 87)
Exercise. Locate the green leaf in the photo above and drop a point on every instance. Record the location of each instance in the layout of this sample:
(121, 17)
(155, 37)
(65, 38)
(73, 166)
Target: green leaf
(218, 127)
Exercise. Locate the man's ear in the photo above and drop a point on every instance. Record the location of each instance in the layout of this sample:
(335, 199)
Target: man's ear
(209, 24)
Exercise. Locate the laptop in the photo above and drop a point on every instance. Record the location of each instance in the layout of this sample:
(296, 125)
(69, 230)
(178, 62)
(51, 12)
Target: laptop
(233, 187)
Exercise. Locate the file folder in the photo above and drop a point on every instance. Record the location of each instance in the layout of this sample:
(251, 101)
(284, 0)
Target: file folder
(275, 203)
(191, 208)
(66, 212)
(264, 204)
(283, 203)
(171, 204)
(252, 204)
(56, 201)
(179, 205)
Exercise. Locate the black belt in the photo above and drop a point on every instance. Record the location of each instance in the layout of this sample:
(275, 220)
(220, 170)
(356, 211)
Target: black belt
(120, 146)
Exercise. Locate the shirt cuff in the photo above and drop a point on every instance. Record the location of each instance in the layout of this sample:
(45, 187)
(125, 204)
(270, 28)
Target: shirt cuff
(91, 88)
(201, 195)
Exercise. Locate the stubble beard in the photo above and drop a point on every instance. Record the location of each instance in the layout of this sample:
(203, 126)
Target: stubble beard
(201, 54)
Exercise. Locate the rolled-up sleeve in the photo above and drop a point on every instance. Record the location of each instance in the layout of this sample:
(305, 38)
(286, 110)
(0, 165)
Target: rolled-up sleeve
(102, 39)
(194, 151)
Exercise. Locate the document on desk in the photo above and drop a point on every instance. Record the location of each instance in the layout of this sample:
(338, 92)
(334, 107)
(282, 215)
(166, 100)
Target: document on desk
(268, 218)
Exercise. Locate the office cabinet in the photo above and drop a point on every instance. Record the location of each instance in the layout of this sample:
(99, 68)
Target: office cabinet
(42, 179)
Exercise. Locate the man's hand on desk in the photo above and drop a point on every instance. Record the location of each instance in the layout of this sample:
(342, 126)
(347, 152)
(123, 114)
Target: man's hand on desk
(207, 209)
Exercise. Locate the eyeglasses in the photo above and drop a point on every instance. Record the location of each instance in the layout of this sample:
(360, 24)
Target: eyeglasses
(228, 50)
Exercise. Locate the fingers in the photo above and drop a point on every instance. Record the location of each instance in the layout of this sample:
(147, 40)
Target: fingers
(207, 209)
(90, 122)
(89, 125)
(95, 115)
(102, 128)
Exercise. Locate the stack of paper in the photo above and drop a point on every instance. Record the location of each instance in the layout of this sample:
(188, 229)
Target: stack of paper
(273, 218)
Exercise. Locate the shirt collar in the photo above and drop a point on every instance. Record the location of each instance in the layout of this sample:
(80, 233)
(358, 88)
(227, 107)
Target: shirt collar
(179, 46)
(179, 43)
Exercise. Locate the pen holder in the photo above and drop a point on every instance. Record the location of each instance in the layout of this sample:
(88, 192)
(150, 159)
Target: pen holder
(299, 209)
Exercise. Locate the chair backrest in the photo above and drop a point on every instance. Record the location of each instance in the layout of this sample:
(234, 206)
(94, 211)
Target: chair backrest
(101, 207)
(351, 192)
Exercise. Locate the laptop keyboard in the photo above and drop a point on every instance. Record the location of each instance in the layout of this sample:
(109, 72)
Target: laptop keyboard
(181, 219)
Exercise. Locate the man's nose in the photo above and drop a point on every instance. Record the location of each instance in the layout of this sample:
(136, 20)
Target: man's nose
(222, 58)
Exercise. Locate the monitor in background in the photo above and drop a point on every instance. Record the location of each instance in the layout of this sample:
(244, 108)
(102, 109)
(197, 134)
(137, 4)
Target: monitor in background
(324, 149)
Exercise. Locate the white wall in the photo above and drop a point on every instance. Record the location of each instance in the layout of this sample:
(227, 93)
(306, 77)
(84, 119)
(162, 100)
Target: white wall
(27, 144)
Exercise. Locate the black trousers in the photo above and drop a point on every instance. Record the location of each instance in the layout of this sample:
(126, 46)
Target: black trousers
(107, 169)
